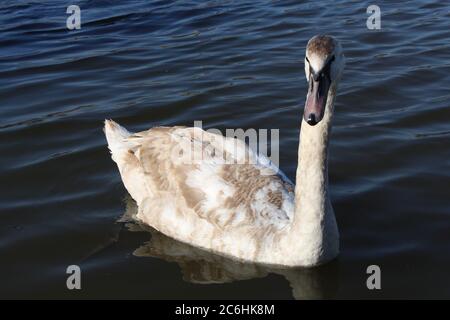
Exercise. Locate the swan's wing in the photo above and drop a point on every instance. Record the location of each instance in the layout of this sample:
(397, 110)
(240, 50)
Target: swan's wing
(199, 178)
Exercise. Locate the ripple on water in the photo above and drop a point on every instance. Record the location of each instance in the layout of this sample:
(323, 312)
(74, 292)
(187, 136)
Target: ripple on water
(232, 64)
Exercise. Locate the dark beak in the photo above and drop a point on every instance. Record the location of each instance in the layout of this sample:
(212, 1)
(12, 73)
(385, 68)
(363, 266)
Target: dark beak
(316, 98)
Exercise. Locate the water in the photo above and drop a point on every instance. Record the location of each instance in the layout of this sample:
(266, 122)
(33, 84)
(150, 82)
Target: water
(230, 64)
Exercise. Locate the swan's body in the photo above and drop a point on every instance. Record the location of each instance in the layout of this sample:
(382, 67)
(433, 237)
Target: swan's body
(243, 207)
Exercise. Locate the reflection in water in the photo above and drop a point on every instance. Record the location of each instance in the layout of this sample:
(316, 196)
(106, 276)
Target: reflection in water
(202, 267)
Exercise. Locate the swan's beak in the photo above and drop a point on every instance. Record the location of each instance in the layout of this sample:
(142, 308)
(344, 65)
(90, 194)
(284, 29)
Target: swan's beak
(316, 98)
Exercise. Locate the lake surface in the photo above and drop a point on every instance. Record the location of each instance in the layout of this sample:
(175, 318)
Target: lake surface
(230, 64)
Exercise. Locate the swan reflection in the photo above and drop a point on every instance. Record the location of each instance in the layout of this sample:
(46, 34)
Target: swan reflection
(203, 267)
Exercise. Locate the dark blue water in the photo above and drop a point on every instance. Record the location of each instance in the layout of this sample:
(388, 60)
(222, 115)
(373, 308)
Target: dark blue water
(230, 64)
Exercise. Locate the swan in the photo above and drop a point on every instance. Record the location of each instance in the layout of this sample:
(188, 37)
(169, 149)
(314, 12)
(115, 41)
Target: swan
(245, 208)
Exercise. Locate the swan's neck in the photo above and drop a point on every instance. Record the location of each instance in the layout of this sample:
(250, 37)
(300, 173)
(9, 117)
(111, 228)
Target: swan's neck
(314, 226)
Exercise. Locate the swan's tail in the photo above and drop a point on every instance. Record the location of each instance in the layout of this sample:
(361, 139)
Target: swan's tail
(130, 171)
(116, 136)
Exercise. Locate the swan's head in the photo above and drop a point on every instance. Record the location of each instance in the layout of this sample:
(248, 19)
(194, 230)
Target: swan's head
(324, 63)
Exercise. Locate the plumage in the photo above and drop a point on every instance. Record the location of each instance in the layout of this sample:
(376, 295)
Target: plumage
(216, 193)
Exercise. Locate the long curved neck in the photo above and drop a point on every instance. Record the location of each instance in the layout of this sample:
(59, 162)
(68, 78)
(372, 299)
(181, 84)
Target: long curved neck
(314, 226)
(311, 191)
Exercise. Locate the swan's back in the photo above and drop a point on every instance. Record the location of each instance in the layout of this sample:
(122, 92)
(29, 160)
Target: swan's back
(203, 188)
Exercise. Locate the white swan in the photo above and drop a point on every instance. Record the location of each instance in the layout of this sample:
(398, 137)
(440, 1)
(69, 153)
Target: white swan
(244, 208)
